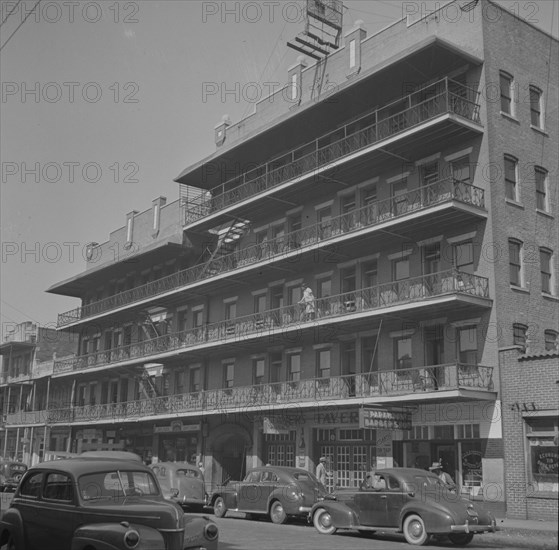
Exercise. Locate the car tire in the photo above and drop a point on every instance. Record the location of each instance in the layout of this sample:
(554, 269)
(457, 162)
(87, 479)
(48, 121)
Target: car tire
(461, 539)
(277, 513)
(322, 521)
(414, 530)
(220, 508)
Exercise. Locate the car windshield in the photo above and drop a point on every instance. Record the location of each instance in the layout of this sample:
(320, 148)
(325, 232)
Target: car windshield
(115, 484)
(188, 473)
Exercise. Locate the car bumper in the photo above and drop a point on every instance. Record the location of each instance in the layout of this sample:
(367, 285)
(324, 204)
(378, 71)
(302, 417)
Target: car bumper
(304, 509)
(474, 528)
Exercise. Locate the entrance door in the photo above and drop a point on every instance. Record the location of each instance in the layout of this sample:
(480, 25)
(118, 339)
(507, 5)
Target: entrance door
(446, 454)
(231, 459)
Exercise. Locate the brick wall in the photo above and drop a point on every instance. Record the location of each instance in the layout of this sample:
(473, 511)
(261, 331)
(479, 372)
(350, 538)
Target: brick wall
(526, 379)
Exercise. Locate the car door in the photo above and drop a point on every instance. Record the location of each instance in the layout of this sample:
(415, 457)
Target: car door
(28, 504)
(371, 502)
(249, 492)
(268, 483)
(59, 511)
(394, 501)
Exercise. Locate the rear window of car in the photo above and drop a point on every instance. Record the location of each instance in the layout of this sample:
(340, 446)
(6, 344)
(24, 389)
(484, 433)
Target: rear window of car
(188, 473)
(117, 484)
(305, 476)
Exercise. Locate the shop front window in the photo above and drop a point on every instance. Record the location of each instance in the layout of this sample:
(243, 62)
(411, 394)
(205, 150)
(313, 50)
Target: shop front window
(543, 435)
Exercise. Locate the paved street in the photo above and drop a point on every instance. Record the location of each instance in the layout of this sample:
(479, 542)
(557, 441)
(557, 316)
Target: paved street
(241, 534)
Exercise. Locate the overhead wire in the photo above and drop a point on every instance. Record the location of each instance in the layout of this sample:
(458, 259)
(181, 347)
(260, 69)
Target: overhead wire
(18, 27)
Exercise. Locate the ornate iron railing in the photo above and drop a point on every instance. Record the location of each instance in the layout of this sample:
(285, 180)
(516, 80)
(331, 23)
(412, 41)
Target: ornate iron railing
(427, 379)
(442, 97)
(444, 190)
(274, 321)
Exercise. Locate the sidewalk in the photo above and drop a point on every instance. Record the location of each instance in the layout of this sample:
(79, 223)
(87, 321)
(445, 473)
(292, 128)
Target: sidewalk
(527, 525)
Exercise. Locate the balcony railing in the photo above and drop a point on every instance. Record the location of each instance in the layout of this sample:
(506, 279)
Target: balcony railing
(417, 380)
(445, 190)
(276, 320)
(443, 97)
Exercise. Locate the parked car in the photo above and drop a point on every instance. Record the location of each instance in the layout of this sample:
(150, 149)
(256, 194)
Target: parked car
(97, 504)
(182, 482)
(10, 474)
(408, 500)
(279, 492)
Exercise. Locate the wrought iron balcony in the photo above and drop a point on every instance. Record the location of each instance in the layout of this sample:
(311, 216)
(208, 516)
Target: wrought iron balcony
(268, 323)
(443, 97)
(369, 216)
(418, 380)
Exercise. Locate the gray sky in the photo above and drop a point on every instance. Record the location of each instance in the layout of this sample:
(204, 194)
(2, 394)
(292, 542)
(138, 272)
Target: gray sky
(103, 105)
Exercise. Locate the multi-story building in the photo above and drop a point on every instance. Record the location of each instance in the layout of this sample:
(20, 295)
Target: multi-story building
(408, 179)
(28, 354)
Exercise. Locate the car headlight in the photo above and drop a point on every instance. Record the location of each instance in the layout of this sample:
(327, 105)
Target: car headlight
(211, 531)
(131, 538)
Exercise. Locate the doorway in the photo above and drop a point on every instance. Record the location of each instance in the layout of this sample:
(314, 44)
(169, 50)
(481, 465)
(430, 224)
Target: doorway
(446, 455)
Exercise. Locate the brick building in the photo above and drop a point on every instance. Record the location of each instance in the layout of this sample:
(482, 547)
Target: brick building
(408, 179)
(530, 382)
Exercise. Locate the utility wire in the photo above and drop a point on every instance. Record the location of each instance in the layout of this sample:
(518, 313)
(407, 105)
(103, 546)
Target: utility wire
(17, 28)
(12, 11)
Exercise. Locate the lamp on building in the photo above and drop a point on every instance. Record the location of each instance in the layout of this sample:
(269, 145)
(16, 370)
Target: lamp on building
(154, 369)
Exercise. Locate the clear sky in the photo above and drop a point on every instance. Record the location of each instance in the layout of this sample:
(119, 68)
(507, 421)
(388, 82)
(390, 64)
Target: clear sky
(103, 105)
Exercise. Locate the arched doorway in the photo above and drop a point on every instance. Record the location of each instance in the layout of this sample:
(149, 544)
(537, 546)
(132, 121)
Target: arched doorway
(229, 446)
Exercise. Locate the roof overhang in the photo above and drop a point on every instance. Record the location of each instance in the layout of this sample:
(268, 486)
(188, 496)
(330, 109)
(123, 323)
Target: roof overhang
(415, 65)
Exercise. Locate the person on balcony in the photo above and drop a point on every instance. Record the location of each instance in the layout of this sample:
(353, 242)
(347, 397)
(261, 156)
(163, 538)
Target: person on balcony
(308, 301)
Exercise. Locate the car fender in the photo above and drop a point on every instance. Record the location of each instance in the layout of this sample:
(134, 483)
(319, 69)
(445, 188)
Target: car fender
(436, 519)
(110, 536)
(12, 522)
(229, 497)
(343, 516)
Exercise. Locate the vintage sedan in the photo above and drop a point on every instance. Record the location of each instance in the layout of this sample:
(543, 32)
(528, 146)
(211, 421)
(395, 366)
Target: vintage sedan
(10, 474)
(406, 500)
(183, 483)
(99, 504)
(279, 492)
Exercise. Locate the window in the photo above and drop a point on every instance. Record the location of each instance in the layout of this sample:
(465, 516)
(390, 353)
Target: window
(399, 197)
(275, 366)
(258, 369)
(541, 188)
(506, 81)
(32, 486)
(467, 431)
(294, 367)
(542, 434)
(429, 173)
(324, 218)
(515, 262)
(369, 354)
(324, 288)
(323, 363)
(179, 381)
(195, 379)
(59, 487)
(352, 54)
(464, 257)
(228, 375)
(260, 303)
(348, 279)
(545, 268)
(369, 277)
(402, 353)
(461, 169)
(400, 269)
(519, 334)
(467, 345)
(230, 311)
(511, 178)
(92, 393)
(431, 258)
(182, 319)
(550, 340)
(536, 118)
(197, 318)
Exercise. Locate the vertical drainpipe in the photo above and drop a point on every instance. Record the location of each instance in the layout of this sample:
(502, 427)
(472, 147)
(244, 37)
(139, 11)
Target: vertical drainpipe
(72, 397)
(46, 419)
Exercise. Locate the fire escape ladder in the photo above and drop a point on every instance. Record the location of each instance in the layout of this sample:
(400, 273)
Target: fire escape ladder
(227, 242)
(147, 386)
(149, 328)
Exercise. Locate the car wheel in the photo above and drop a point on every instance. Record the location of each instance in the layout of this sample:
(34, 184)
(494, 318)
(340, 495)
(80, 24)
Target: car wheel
(277, 512)
(220, 508)
(323, 523)
(461, 539)
(414, 530)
